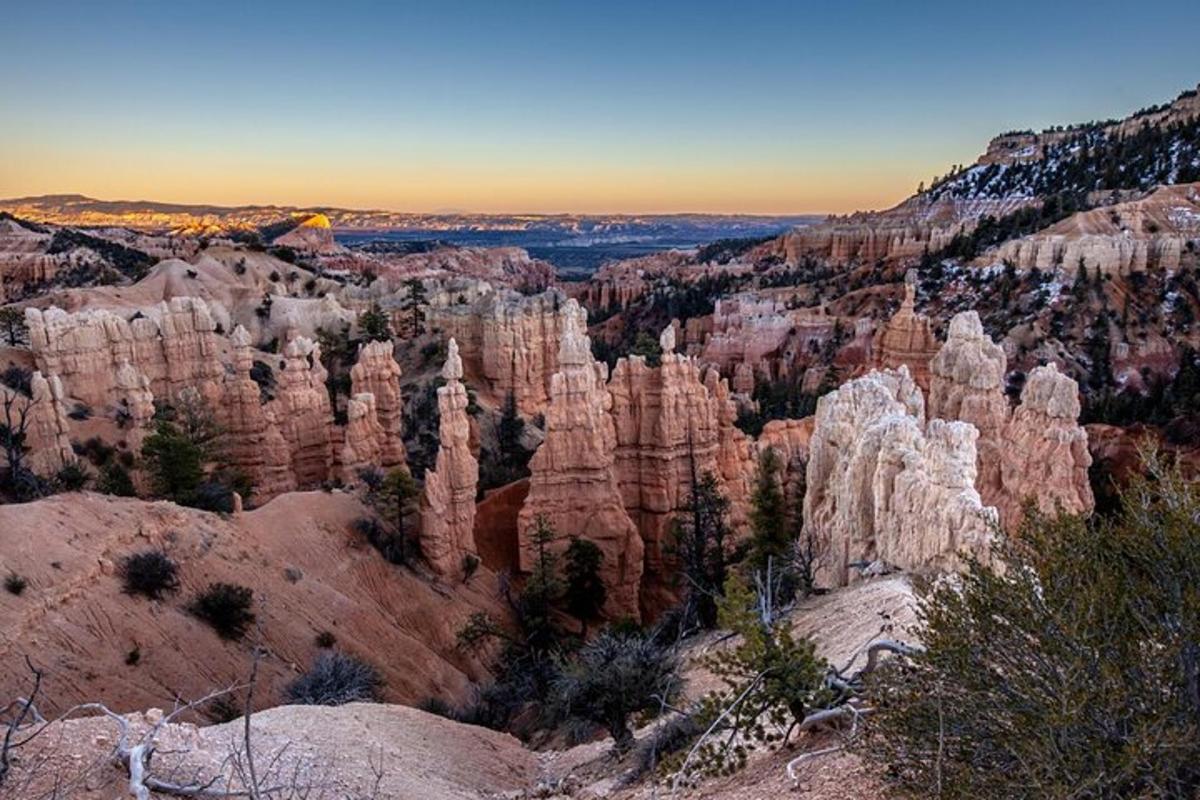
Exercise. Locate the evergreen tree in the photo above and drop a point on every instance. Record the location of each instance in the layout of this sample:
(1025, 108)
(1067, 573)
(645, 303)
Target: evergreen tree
(700, 537)
(585, 591)
(769, 533)
(375, 325)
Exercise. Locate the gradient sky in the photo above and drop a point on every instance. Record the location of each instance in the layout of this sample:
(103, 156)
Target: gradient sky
(654, 106)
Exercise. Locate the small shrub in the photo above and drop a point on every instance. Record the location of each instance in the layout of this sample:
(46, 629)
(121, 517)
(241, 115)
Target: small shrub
(292, 574)
(335, 679)
(14, 583)
(150, 573)
(222, 709)
(225, 607)
(80, 412)
(18, 379)
(133, 657)
(72, 478)
(325, 640)
(114, 479)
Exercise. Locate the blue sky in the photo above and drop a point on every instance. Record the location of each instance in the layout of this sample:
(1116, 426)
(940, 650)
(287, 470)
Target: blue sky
(754, 106)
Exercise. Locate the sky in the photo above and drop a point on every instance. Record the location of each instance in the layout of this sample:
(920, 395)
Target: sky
(587, 107)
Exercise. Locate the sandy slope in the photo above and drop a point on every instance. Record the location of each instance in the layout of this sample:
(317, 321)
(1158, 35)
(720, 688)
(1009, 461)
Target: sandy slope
(307, 569)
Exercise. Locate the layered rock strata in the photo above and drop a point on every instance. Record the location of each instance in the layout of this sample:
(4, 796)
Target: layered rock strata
(448, 501)
(670, 430)
(573, 485)
(175, 346)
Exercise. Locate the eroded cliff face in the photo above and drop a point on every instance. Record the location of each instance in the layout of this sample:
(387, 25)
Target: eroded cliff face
(882, 487)
(1149, 233)
(46, 425)
(256, 446)
(509, 342)
(967, 384)
(573, 484)
(174, 345)
(448, 501)
(907, 339)
(377, 373)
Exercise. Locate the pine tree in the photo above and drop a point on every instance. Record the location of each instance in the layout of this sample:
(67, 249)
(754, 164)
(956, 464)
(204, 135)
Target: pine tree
(585, 592)
(769, 534)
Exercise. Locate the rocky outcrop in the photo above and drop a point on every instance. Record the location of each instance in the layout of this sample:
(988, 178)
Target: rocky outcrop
(377, 373)
(1045, 458)
(907, 339)
(509, 342)
(573, 483)
(47, 427)
(313, 235)
(174, 345)
(967, 384)
(362, 445)
(500, 266)
(1149, 233)
(881, 487)
(448, 501)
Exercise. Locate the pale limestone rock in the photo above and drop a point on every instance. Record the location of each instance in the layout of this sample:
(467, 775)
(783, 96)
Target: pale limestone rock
(137, 401)
(363, 443)
(448, 500)
(879, 487)
(573, 483)
(47, 429)
(967, 384)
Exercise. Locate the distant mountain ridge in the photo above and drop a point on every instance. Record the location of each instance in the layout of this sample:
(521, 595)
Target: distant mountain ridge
(82, 211)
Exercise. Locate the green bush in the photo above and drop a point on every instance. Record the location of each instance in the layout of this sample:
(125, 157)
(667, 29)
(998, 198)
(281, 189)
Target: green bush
(150, 573)
(1069, 668)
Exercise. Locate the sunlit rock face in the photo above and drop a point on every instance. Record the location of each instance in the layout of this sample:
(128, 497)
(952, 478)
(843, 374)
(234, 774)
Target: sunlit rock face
(509, 342)
(313, 235)
(573, 485)
(882, 487)
(448, 501)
